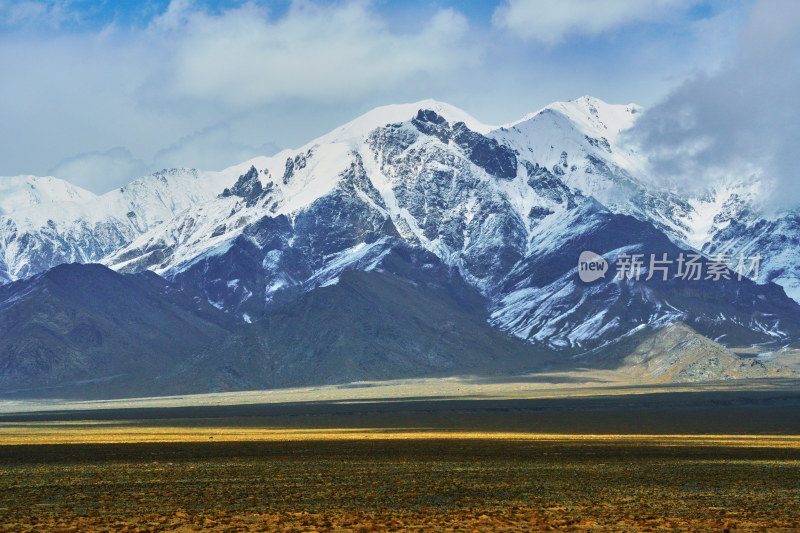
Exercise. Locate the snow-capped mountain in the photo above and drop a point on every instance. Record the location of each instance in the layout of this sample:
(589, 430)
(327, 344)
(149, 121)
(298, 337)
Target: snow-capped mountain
(580, 142)
(508, 208)
(502, 205)
(45, 222)
(426, 179)
(20, 192)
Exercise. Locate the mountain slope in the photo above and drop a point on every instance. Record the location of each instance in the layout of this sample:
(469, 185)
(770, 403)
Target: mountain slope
(775, 239)
(86, 331)
(581, 141)
(678, 354)
(367, 326)
(79, 324)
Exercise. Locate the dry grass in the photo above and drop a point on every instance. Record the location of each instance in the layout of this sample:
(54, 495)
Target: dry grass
(456, 483)
(602, 463)
(26, 433)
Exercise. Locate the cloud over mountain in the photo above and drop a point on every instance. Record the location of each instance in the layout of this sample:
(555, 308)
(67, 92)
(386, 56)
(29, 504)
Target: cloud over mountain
(740, 120)
(84, 81)
(244, 57)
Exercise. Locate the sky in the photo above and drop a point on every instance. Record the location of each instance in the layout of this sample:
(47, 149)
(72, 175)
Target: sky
(100, 92)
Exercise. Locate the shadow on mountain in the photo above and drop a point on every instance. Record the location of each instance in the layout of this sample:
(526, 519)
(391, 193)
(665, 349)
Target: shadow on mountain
(368, 326)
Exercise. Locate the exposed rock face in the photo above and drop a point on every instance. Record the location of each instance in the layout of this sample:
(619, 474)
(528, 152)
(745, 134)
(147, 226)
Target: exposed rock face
(248, 186)
(485, 152)
(677, 354)
(296, 163)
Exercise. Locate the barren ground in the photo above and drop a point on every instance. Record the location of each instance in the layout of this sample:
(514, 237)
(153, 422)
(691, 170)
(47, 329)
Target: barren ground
(649, 459)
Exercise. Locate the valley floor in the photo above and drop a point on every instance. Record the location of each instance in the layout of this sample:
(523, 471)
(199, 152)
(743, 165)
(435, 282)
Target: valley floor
(578, 383)
(429, 484)
(712, 458)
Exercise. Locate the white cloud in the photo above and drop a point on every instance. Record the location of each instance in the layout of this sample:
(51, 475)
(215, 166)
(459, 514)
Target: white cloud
(100, 170)
(551, 22)
(201, 87)
(209, 149)
(158, 90)
(740, 120)
(243, 57)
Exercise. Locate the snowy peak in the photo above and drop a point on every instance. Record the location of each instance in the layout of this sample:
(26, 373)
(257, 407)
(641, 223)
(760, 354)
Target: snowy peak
(20, 192)
(592, 115)
(573, 136)
(357, 129)
(145, 201)
(73, 225)
(297, 177)
(595, 115)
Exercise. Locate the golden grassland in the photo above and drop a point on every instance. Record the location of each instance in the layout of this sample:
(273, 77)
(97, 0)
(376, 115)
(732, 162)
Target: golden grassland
(706, 459)
(100, 432)
(439, 482)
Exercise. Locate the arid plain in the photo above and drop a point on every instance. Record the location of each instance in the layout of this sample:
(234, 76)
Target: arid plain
(457, 454)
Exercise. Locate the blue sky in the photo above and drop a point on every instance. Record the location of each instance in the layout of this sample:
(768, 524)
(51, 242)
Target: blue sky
(99, 92)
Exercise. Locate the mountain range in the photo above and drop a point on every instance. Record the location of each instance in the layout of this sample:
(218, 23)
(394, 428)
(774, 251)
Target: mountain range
(412, 241)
